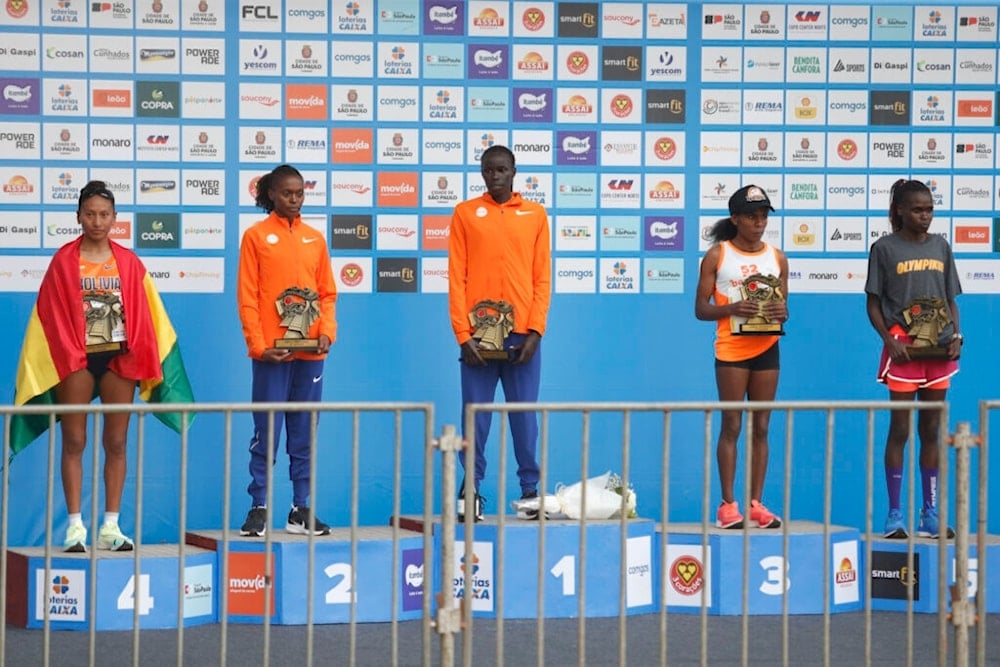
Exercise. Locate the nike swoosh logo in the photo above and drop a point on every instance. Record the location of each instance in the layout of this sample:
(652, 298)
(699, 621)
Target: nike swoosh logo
(520, 212)
(310, 240)
(317, 379)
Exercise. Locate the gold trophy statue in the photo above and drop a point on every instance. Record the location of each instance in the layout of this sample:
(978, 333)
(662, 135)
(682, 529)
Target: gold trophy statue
(926, 318)
(759, 289)
(298, 308)
(103, 315)
(493, 321)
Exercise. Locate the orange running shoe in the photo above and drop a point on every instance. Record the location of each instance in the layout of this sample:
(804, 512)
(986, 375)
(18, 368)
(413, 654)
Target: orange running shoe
(728, 515)
(762, 517)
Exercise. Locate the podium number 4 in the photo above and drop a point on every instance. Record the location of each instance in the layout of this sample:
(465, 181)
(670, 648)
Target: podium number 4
(775, 569)
(127, 598)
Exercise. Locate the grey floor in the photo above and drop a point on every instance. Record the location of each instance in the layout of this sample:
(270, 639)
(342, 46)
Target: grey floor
(373, 643)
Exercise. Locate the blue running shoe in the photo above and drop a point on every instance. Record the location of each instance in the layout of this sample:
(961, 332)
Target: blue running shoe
(930, 526)
(895, 529)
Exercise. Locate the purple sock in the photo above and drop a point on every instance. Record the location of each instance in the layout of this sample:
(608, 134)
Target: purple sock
(929, 480)
(894, 484)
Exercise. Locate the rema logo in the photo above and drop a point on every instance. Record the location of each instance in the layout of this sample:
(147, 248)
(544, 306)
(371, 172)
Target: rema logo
(157, 99)
(157, 230)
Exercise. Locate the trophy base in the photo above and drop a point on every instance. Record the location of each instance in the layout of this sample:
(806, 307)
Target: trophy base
(927, 352)
(494, 355)
(763, 329)
(298, 344)
(100, 348)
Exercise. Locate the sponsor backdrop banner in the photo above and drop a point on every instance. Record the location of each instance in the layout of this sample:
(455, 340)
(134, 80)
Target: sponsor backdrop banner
(632, 122)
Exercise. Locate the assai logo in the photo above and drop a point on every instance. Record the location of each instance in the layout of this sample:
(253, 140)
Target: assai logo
(157, 99)
(158, 230)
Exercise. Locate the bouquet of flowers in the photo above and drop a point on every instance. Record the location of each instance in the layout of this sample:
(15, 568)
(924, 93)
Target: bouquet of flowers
(616, 484)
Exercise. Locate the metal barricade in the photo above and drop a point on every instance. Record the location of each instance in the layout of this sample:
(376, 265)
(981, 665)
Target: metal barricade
(660, 637)
(261, 649)
(924, 635)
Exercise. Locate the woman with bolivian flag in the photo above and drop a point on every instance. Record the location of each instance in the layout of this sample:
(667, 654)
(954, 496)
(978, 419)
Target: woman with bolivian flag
(97, 329)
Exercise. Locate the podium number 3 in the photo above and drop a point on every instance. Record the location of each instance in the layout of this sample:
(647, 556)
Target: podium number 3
(775, 569)
(127, 598)
(341, 591)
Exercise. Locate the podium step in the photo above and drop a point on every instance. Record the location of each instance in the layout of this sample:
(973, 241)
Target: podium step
(709, 570)
(65, 590)
(578, 565)
(344, 583)
(893, 581)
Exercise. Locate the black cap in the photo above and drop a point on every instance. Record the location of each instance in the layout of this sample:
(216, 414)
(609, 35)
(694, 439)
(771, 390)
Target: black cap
(748, 199)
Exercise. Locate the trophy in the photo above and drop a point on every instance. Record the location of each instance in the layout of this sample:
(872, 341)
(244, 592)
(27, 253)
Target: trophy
(493, 321)
(104, 317)
(760, 290)
(926, 318)
(298, 308)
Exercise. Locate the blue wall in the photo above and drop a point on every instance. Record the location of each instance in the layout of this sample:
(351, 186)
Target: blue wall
(643, 347)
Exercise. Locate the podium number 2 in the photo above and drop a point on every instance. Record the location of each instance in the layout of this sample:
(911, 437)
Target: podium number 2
(775, 568)
(566, 568)
(341, 592)
(127, 598)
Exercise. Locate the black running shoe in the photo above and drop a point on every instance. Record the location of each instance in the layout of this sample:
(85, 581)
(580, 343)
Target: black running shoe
(478, 504)
(528, 514)
(256, 523)
(301, 521)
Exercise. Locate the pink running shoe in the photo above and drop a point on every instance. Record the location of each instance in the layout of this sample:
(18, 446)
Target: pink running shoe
(762, 517)
(728, 515)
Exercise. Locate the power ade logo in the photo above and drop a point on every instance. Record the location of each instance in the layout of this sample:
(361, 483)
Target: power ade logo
(208, 187)
(665, 107)
(889, 107)
(621, 63)
(396, 274)
(157, 99)
(351, 232)
(19, 140)
(158, 230)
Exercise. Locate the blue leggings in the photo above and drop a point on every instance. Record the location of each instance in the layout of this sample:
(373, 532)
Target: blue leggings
(520, 385)
(293, 381)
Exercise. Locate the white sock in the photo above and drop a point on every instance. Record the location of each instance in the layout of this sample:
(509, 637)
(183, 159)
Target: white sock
(75, 518)
(111, 518)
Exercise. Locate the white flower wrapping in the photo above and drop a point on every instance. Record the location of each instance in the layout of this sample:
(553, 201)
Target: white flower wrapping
(604, 500)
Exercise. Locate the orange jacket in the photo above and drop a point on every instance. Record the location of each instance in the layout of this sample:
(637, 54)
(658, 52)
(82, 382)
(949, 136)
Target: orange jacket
(499, 252)
(273, 257)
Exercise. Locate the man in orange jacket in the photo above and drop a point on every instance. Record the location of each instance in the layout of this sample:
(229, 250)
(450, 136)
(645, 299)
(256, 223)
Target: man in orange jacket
(499, 288)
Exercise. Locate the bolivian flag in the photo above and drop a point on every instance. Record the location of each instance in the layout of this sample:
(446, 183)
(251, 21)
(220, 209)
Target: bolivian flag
(54, 343)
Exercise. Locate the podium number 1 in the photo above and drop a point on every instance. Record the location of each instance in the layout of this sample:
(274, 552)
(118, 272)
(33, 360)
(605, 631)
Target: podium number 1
(127, 598)
(566, 568)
